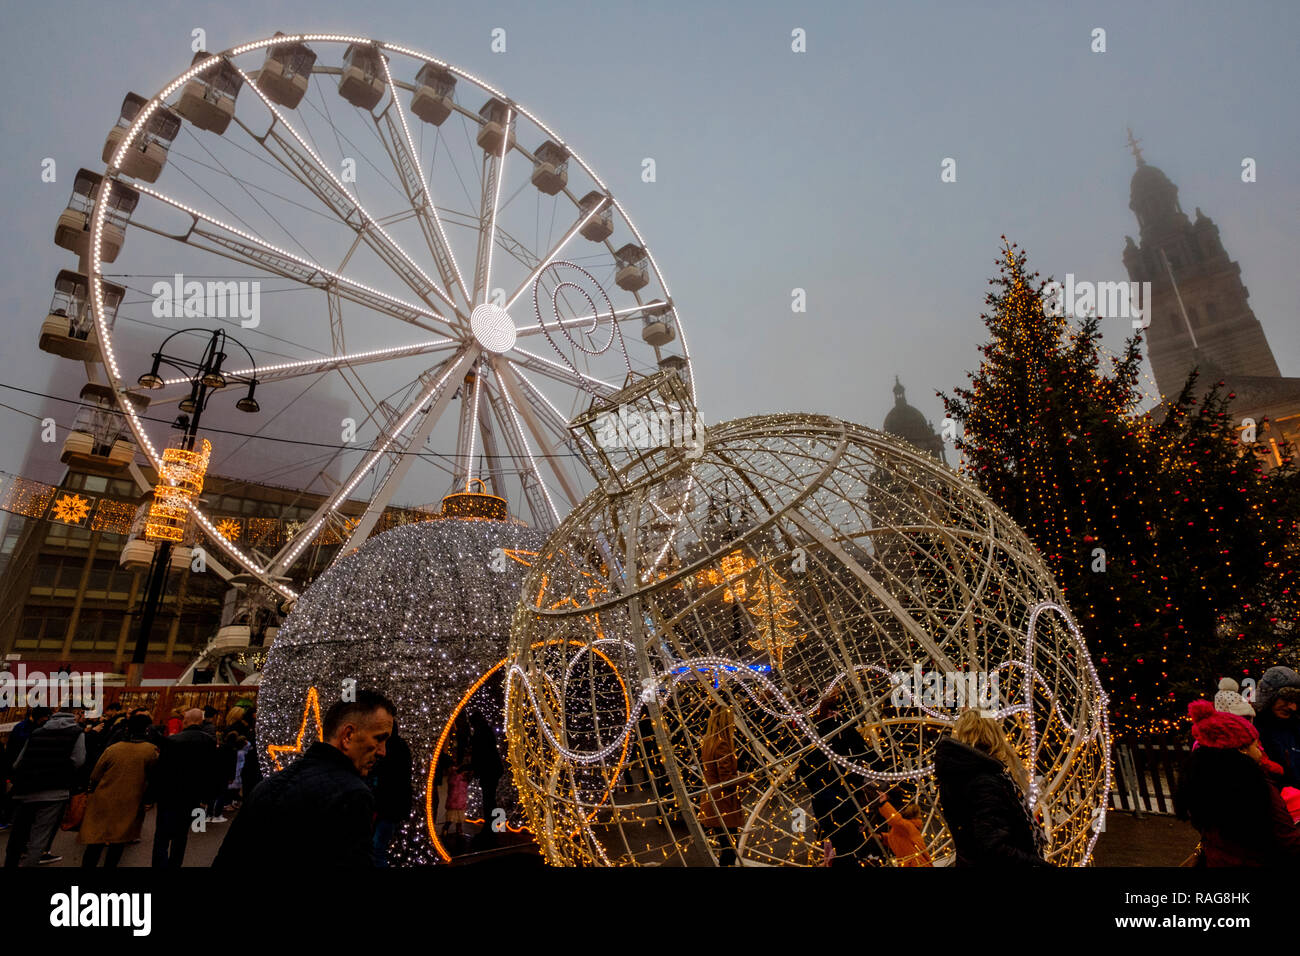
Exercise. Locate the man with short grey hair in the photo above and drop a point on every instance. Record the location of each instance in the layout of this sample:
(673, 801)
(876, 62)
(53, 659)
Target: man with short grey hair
(181, 780)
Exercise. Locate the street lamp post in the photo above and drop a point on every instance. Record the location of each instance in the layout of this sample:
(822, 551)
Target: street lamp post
(205, 377)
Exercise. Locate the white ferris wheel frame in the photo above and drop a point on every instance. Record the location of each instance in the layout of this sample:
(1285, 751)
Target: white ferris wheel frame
(464, 358)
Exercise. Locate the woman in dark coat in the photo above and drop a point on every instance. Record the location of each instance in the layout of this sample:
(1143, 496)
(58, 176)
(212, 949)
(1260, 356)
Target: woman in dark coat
(981, 798)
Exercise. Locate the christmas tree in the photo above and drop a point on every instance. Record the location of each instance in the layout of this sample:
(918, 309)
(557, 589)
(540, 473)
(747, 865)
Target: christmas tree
(772, 606)
(1167, 535)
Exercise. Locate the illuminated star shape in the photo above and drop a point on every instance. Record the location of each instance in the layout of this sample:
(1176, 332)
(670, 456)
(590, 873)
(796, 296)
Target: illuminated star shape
(311, 710)
(228, 528)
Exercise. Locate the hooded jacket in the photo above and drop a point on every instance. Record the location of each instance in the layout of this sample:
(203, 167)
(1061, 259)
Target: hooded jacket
(982, 806)
(47, 767)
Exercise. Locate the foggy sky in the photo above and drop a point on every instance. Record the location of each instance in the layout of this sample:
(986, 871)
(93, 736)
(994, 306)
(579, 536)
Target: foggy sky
(775, 170)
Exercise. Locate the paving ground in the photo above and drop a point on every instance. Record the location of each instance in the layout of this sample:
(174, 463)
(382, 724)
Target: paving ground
(1128, 841)
(1153, 840)
(202, 847)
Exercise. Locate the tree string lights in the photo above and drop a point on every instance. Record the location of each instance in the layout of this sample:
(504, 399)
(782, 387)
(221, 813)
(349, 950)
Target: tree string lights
(1174, 545)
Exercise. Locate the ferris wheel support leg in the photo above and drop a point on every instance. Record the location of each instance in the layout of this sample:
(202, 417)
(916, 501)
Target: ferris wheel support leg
(393, 480)
(515, 393)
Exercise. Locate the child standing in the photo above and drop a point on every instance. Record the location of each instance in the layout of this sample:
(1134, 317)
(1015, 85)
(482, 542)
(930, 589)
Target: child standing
(457, 797)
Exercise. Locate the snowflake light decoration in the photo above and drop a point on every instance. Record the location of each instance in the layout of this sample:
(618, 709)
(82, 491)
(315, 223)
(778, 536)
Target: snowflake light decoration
(71, 509)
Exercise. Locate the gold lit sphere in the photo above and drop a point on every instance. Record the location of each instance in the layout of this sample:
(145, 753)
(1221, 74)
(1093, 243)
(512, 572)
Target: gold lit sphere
(708, 645)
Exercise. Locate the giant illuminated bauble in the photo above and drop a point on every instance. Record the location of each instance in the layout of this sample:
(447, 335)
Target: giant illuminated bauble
(421, 614)
(834, 595)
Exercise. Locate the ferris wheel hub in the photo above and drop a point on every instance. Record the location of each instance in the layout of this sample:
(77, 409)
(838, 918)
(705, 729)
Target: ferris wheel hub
(493, 327)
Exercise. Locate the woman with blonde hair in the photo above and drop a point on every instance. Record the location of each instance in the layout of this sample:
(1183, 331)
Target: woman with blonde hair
(720, 810)
(982, 786)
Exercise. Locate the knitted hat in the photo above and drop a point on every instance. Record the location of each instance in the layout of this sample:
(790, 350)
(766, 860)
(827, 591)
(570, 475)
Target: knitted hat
(1229, 701)
(1214, 729)
(1274, 679)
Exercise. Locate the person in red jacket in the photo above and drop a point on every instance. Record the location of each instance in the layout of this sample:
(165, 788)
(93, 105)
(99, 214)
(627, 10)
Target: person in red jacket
(1226, 794)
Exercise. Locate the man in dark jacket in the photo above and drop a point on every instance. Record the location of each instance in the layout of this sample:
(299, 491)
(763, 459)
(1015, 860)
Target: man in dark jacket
(181, 780)
(983, 808)
(317, 813)
(17, 741)
(43, 776)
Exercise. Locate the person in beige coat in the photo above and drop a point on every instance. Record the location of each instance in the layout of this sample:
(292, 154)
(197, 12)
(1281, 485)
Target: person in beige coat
(115, 809)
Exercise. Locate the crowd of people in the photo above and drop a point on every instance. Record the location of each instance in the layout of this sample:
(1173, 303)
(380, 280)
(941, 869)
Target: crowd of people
(99, 776)
(342, 802)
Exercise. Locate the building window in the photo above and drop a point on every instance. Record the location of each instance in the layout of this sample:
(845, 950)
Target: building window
(97, 584)
(47, 571)
(56, 625)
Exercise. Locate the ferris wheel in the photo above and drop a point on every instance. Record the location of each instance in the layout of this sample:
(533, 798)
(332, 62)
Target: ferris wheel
(382, 228)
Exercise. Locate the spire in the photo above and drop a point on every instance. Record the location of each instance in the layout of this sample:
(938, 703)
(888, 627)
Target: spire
(1133, 145)
(898, 392)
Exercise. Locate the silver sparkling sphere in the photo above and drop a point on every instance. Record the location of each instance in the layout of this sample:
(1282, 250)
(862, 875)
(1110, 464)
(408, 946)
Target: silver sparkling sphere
(420, 614)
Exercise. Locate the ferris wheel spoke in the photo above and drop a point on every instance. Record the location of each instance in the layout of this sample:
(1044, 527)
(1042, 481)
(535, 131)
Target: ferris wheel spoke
(219, 238)
(555, 251)
(411, 447)
(546, 410)
(468, 433)
(337, 331)
(489, 204)
(393, 440)
(540, 506)
(518, 250)
(302, 162)
(562, 373)
(284, 371)
(551, 446)
(406, 161)
(619, 315)
(487, 434)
